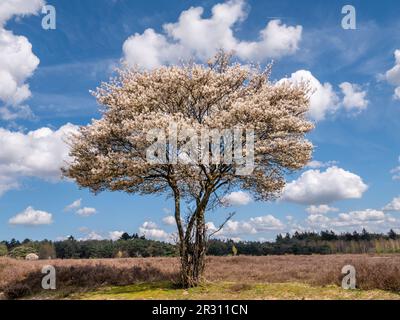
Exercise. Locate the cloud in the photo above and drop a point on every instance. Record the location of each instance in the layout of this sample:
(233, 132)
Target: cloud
(237, 228)
(238, 198)
(314, 187)
(62, 238)
(321, 209)
(318, 220)
(314, 164)
(396, 172)
(193, 35)
(323, 99)
(276, 40)
(7, 183)
(39, 154)
(210, 226)
(83, 212)
(74, 205)
(249, 227)
(266, 223)
(115, 235)
(394, 205)
(92, 235)
(10, 8)
(356, 217)
(84, 229)
(370, 219)
(149, 225)
(86, 212)
(151, 231)
(354, 97)
(17, 61)
(169, 221)
(32, 217)
(393, 75)
(397, 93)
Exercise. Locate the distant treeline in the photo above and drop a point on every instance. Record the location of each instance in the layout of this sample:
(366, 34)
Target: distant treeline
(325, 242)
(127, 246)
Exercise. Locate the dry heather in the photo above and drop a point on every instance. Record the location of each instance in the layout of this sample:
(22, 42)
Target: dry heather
(22, 278)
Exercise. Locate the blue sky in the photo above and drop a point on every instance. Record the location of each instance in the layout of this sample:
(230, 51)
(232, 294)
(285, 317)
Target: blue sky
(356, 138)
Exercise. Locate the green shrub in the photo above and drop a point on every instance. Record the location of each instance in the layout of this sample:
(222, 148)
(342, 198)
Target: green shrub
(3, 250)
(21, 252)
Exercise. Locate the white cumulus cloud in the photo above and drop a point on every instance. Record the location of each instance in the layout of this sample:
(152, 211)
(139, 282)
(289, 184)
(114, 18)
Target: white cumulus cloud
(252, 226)
(238, 198)
(394, 205)
(17, 61)
(370, 219)
(397, 93)
(354, 97)
(276, 40)
(315, 164)
(323, 98)
(321, 209)
(169, 220)
(237, 228)
(10, 8)
(95, 235)
(39, 154)
(314, 187)
(32, 217)
(115, 235)
(356, 217)
(318, 220)
(86, 212)
(77, 207)
(74, 205)
(150, 230)
(393, 75)
(194, 35)
(266, 223)
(92, 235)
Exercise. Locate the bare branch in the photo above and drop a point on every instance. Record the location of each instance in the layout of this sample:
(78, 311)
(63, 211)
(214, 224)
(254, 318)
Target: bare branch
(230, 216)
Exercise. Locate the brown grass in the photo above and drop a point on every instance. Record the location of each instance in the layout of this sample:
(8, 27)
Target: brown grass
(22, 278)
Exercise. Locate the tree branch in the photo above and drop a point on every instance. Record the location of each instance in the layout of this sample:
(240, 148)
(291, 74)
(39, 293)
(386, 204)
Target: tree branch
(230, 216)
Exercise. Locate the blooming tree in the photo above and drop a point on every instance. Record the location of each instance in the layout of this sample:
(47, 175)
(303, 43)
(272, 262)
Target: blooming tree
(113, 153)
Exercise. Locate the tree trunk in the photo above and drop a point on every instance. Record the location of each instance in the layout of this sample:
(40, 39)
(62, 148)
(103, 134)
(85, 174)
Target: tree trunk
(193, 240)
(193, 253)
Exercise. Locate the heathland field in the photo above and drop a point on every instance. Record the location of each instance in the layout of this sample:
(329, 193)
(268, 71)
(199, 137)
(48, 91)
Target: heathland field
(241, 277)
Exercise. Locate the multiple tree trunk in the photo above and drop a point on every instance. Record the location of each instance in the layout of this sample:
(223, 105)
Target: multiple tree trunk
(192, 241)
(193, 252)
